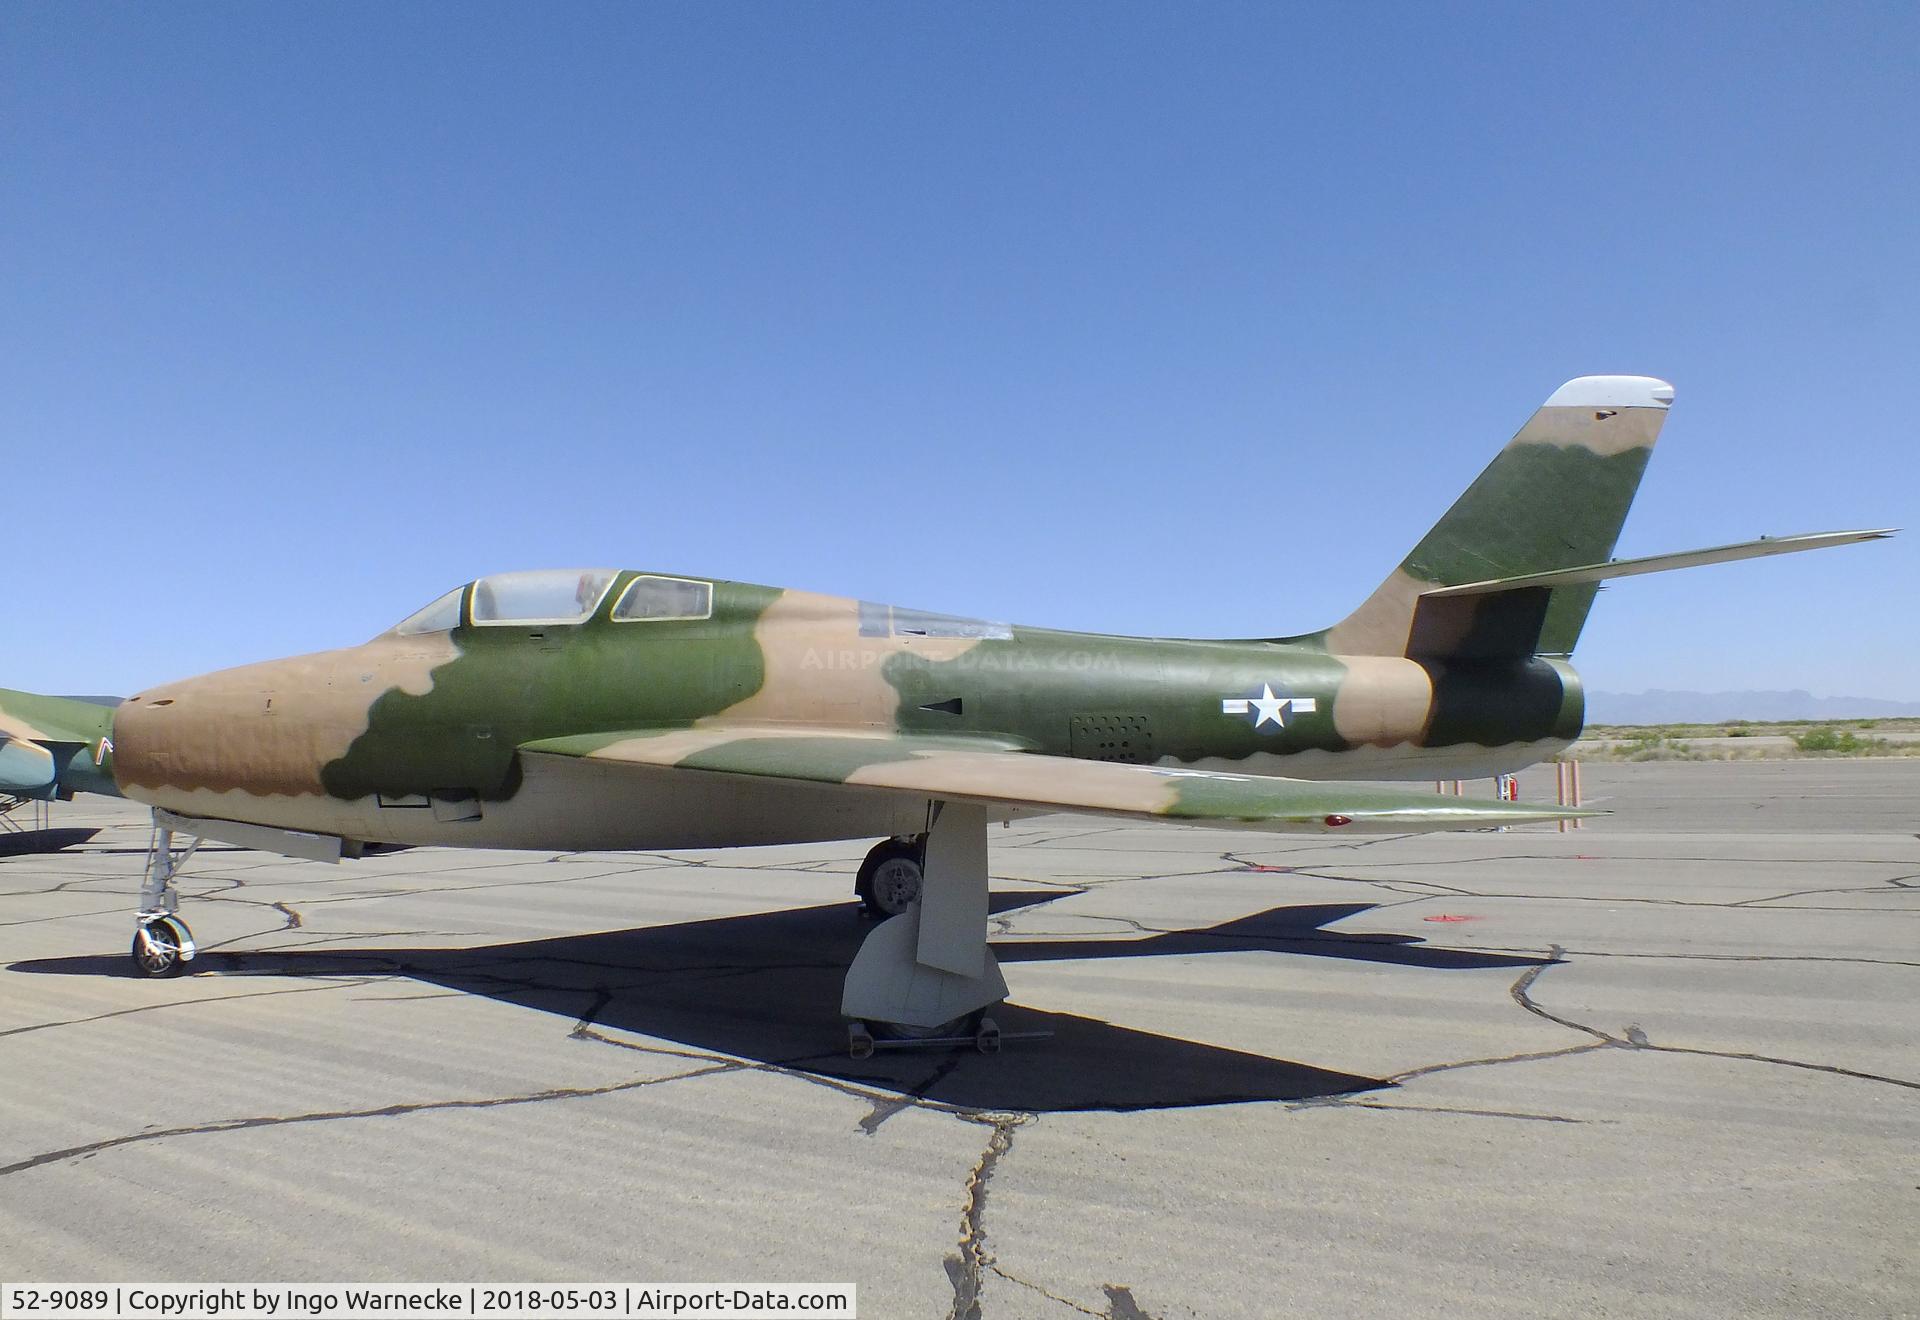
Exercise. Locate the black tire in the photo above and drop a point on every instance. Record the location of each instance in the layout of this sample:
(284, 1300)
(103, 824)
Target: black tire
(159, 955)
(890, 878)
(965, 1027)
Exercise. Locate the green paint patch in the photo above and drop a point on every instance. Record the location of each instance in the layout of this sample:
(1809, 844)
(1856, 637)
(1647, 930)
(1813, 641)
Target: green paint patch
(1256, 800)
(1536, 508)
(60, 719)
(513, 685)
(1029, 688)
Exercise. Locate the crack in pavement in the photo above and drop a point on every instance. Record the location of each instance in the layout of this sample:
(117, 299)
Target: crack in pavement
(1636, 1039)
(1050, 1296)
(1528, 1056)
(884, 1103)
(968, 1266)
(794, 1068)
(1898, 882)
(65, 916)
(1448, 891)
(399, 1110)
(183, 1003)
(1245, 863)
(290, 919)
(1521, 990)
(1335, 1103)
(911, 1099)
(1711, 957)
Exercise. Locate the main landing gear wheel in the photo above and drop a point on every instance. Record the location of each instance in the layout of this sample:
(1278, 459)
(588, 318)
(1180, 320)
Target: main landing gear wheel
(891, 876)
(157, 946)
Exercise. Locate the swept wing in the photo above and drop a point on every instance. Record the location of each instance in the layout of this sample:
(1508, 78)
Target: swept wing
(1000, 774)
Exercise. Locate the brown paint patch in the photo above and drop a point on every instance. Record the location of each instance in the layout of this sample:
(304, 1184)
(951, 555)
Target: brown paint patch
(12, 726)
(1581, 428)
(1382, 701)
(1022, 778)
(1008, 777)
(676, 745)
(266, 729)
(671, 748)
(1384, 621)
(821, 671)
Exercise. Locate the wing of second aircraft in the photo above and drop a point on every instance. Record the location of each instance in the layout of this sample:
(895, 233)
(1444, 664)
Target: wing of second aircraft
(1001, 774)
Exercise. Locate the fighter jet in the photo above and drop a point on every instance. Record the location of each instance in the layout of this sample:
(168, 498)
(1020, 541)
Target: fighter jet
(635, 709)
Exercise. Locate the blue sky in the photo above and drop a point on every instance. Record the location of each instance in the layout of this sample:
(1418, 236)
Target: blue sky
(1160, 319)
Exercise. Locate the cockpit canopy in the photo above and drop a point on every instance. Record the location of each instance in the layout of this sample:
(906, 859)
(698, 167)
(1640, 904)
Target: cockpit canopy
(441, 616)
(560, 596)
(544, 595)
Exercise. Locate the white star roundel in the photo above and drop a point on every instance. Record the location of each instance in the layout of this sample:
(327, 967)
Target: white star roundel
(1267, 708)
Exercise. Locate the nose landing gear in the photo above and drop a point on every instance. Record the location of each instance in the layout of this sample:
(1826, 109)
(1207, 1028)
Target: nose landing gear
(162, 944)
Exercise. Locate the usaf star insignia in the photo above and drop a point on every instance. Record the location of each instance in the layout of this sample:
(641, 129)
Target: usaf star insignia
(1266, 708)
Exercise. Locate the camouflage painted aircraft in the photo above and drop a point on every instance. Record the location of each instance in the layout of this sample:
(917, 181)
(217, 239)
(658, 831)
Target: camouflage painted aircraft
(615, 709)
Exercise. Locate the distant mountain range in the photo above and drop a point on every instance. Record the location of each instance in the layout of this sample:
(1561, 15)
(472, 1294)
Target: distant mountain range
(1662, 707)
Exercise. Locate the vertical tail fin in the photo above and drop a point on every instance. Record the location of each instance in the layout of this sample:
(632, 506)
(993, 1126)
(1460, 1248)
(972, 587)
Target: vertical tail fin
(1554, 498)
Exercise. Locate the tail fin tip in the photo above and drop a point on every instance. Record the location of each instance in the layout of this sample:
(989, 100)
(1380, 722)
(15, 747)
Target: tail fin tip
(1612, 392)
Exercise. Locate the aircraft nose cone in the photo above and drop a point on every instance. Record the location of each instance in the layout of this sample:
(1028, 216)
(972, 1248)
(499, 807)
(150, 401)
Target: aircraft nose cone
(260, 729)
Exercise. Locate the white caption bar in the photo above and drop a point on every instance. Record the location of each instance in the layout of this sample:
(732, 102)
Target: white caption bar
(425, 1301)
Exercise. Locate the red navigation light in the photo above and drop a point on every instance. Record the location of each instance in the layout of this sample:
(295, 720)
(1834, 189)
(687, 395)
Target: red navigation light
(1335, 822)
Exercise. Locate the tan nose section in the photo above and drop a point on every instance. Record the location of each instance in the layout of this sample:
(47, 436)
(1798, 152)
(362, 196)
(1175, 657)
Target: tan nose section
(240, 729)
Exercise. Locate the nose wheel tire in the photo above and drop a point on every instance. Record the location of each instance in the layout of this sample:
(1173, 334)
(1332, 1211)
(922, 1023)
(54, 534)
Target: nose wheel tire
(157, 947)
(890, 878)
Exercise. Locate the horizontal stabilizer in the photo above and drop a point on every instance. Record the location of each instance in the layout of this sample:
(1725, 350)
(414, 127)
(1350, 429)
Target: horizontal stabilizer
(54, 747)
(1616, 568)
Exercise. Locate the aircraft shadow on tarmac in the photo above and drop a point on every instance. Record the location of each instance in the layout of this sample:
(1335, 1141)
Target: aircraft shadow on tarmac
(29, 842)
(766, 987)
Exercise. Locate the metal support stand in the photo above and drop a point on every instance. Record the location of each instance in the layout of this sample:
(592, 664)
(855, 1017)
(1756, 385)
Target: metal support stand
(930, 966)
(40, 818)
(1566, 786)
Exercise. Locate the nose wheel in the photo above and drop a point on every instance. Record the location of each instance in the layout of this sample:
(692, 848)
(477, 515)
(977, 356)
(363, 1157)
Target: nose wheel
(162, 946)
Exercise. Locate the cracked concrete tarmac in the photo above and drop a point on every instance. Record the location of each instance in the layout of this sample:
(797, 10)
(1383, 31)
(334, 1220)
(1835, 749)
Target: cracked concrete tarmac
(1665, 1065)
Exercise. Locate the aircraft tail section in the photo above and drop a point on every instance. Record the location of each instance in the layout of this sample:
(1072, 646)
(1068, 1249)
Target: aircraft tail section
(53, 747)
(1554, 499)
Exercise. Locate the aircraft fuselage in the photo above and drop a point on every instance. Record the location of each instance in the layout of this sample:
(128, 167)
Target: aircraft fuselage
(414, 739)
